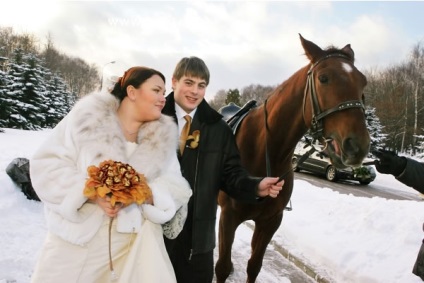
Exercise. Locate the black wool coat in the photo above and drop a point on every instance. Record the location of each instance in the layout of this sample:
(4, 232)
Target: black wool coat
(413, 175)
(212, 166)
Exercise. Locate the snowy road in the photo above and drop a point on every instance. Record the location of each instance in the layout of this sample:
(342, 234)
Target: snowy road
(374, 189)
(276, 268)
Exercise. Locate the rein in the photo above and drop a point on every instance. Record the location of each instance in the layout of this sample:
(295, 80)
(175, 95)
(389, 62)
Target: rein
(267, 162)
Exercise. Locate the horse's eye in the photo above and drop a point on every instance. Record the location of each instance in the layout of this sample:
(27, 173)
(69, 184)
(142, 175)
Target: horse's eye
(323, 79)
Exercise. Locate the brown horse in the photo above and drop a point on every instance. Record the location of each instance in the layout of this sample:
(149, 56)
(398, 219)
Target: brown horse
(326, 97)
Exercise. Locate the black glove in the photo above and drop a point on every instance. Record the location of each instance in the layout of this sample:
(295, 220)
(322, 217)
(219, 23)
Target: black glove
(389, 162)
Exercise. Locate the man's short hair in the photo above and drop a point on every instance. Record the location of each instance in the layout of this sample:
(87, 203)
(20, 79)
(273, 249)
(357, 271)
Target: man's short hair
(192, 67)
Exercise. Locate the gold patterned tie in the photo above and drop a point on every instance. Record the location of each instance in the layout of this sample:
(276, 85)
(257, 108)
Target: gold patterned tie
(184, 133)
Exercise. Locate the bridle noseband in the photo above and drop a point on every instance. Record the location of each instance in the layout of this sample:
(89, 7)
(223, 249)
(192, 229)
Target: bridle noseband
(317, 128)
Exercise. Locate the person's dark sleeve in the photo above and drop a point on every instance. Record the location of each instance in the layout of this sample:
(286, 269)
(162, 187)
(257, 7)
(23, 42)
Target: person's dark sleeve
(237, 182)
(413, 175)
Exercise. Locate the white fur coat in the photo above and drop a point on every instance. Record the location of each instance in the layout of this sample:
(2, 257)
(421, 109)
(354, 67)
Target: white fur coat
(88, 135)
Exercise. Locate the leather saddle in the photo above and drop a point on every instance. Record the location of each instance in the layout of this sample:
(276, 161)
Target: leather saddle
(237, 114)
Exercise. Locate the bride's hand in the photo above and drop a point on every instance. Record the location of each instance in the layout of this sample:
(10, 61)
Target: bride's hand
(107, 207)
(149, 201)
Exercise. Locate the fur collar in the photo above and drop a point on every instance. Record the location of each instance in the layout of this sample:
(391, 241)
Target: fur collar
(96, 129)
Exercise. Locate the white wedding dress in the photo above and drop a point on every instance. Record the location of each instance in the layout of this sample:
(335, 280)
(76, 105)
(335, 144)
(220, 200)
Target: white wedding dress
(148, 260)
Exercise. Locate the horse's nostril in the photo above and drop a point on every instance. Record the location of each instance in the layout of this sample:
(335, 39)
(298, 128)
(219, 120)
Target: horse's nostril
(350, 147)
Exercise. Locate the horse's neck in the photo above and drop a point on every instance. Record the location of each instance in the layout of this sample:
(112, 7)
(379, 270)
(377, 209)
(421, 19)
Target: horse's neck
(285, 117)
(284, 121)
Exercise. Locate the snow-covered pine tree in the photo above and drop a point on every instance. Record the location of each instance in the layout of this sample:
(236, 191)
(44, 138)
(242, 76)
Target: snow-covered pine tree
(375, 129)
(13, 91)
(60, 100)
(420, 146)
(35, 98)
(4, 101)
(35, 92)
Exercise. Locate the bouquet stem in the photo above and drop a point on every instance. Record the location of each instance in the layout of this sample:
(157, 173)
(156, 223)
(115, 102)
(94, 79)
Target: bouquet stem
(113, 275)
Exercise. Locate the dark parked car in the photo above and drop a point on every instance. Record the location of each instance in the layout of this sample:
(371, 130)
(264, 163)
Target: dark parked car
(319, 164)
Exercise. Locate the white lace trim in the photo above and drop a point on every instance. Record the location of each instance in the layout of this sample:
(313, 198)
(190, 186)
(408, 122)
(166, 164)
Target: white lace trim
(173, 227)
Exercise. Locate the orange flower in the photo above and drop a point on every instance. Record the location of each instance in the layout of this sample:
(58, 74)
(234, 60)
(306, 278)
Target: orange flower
(195, 137)
(117, 180)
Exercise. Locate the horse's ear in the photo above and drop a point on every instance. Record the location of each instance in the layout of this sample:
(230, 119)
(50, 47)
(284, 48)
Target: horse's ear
(312, 51)
(348, 50)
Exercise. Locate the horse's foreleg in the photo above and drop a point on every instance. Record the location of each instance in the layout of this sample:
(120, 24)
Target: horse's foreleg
(264, 230)
(227, 228)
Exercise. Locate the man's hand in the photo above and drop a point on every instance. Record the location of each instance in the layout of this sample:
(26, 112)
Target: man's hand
(269, 187)
(389, 162)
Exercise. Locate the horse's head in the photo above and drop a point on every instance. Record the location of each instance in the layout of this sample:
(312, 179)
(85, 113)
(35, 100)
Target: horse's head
(333, 103)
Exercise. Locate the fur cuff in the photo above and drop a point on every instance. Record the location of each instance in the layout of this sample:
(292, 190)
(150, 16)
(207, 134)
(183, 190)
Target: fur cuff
(162, 210)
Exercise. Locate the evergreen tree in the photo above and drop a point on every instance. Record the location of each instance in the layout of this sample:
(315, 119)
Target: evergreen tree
(13, 92)
(233, 95)
(32, 97)
(60, 100)
(375, 129)
(5, 101)
(35, 93)
(420, 146)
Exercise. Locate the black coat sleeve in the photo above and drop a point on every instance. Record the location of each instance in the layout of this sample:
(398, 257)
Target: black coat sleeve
(413, 175)
(237, 182)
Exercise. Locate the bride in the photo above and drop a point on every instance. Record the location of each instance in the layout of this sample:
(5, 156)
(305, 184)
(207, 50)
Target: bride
(124, 125)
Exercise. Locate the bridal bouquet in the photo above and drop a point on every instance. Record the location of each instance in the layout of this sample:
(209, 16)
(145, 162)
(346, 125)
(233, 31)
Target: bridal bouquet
(121, 183)
(117, 180)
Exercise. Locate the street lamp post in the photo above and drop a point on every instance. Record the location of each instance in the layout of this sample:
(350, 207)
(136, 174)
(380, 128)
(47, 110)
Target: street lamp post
(103, 68)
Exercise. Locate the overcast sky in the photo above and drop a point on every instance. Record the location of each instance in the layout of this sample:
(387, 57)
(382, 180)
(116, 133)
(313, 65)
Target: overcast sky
(242, 42)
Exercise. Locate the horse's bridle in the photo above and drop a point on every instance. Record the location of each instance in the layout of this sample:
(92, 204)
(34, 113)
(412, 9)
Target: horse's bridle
(317, 128)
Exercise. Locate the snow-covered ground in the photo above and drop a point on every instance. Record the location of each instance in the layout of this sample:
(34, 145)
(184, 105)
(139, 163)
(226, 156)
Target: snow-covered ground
(346, 238)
